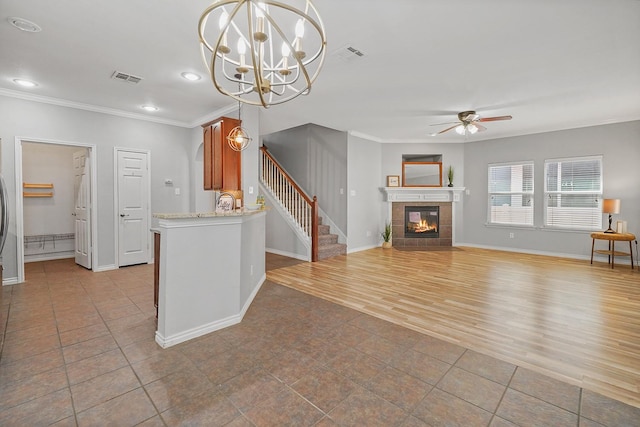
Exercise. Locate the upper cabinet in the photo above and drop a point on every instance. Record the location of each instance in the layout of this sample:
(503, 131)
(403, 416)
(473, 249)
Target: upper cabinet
(222, 164)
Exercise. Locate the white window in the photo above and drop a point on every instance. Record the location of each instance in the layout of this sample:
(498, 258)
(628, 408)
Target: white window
(511, 193)
(573, 193)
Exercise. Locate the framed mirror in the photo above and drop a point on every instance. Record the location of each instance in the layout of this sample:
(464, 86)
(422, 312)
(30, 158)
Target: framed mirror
(422, 174)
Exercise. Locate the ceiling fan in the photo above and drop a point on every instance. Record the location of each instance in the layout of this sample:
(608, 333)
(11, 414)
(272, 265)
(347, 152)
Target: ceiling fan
(469, 123)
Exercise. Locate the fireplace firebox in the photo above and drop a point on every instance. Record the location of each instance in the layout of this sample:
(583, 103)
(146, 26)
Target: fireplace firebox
(421, 221)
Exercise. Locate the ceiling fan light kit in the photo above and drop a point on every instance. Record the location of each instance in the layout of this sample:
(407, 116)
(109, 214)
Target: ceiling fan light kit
(276, 49)
(469, 123)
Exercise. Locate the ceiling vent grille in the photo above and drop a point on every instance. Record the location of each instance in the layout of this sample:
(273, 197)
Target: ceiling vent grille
(348, 53)
(124, 77)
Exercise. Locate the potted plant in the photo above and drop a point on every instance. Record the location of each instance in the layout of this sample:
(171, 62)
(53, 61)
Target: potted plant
(386, 236)
(450, 176)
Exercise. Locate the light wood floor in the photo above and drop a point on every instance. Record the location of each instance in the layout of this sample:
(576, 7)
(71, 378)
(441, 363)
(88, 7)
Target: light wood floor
(565, 318)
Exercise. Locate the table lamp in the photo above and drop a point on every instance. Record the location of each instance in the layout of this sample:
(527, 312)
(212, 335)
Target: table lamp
(610, 206)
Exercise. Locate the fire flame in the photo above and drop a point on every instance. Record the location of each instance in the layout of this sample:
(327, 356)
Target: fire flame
(423, 226)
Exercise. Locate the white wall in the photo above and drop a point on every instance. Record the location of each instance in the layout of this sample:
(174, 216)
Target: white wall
(169, 159)
(48, 216)
(365, 217)
(619, 144)
(51, 164)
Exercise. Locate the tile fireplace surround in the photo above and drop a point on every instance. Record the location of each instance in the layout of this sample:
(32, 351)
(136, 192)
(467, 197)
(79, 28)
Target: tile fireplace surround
(399, 198)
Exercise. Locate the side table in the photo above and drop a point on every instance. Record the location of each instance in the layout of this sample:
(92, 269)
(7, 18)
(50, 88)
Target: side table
(612, 238)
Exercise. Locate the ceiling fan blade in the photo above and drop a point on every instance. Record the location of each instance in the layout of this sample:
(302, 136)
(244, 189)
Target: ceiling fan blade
(446, 130)
(494, 119)
(479, 126)
(442, 124)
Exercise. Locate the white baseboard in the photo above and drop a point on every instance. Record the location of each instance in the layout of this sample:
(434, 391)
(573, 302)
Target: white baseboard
(199, 331)
(247, 304)
(48, 257)
(190, 334)
(598, 257)
(362, 248)
(287, 254)
(105, 268)
(9, 281)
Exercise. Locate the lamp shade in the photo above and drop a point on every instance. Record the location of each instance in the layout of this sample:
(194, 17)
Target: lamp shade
(611, 206)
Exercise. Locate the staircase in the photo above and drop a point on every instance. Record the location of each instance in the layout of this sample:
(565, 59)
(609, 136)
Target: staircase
(328, 245)
(301, 209)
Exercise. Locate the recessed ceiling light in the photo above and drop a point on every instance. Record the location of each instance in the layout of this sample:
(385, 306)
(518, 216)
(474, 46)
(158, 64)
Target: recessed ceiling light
(25, 83)
(150, 108)
(191, 76)
(24, 25)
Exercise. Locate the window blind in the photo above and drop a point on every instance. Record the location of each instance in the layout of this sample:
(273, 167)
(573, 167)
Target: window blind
(573, 193)
(511, 194)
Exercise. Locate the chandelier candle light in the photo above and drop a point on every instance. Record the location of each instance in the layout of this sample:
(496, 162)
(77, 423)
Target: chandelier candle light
(262, 52)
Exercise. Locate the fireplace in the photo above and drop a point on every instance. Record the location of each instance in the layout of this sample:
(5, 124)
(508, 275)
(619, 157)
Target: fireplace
(444, 198)
(421, 221)
(402, 238)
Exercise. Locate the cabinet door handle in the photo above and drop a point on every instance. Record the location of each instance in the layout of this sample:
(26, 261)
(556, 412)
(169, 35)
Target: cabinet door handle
(123, 215)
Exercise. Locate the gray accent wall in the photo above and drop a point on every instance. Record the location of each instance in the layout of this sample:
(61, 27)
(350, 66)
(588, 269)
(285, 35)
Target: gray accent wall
(619, 144)
(316, 158)
(169, 146)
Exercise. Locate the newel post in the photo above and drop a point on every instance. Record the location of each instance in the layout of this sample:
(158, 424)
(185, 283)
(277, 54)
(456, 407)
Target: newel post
(314, 229)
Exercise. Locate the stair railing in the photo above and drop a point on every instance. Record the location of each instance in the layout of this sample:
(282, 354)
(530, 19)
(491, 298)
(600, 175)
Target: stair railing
(302, 208)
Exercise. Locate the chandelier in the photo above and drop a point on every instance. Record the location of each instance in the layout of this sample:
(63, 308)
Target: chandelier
(276, 49)
(239, 139)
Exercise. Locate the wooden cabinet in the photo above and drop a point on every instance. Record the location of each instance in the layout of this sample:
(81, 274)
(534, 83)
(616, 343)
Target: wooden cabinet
(222, 164)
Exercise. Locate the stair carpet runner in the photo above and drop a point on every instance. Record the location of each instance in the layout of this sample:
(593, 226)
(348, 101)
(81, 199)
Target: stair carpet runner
(328, 245)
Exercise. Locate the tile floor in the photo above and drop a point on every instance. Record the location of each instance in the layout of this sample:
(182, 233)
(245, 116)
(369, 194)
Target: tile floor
(78, 349)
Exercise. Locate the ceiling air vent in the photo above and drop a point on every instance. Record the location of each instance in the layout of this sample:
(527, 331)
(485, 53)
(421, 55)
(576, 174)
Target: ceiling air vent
(347, 53)
(124, 77)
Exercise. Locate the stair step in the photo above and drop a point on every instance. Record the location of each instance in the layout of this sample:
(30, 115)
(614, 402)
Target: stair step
(327, 239)
(323, 229)
(327, 251)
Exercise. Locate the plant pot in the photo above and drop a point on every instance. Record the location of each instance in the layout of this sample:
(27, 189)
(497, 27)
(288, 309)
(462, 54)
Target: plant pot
(386, 245)
(450, 185)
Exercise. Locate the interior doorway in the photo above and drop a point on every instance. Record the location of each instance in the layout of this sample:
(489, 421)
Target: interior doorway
(52, 202)
(133, 201)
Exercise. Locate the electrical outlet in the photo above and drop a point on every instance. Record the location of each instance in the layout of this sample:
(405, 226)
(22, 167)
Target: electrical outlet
(368, 233)
(250, 190)
(177, 191)
(511, 235)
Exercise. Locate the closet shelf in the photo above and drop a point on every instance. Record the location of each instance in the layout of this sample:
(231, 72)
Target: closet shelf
(30, 185)
(25, 194)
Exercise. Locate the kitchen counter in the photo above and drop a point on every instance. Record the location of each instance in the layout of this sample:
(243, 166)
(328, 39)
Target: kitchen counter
(186, 215)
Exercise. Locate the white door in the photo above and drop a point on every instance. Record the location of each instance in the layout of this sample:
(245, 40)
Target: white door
(81, 211)
(133, 207)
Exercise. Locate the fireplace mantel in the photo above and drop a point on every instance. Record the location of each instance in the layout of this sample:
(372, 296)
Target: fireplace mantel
(422, 194)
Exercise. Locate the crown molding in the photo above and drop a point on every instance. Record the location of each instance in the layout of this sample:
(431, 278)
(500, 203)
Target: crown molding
(89, 107)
